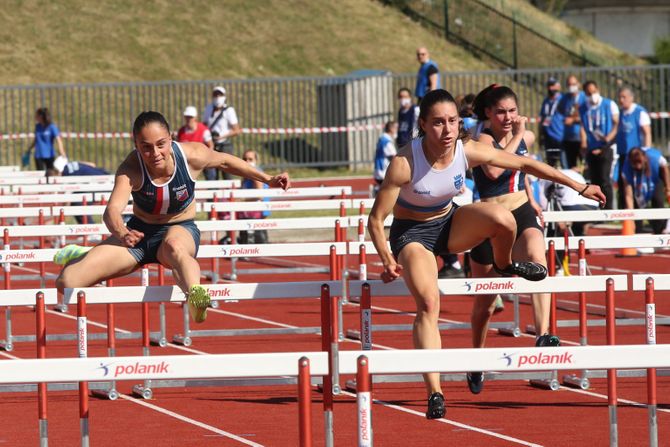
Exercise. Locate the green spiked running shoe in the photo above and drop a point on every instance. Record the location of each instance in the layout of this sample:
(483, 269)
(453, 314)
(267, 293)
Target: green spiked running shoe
(198, 302)
(70, 253)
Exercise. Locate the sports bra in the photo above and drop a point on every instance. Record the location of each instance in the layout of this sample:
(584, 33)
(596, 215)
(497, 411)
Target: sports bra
(432, 189)
(171, 197)
(509, 181)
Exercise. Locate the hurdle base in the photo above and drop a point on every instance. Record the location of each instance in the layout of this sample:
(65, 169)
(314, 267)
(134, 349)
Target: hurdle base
(258, 331)
(505, 328)
(183, 340)
(159, 341)
(214, 304)
(143, 392)
(31, 387)
(510, 331)
(575, 381)
(6, 346)
(454, 377)
(109, 394)
(545, 384)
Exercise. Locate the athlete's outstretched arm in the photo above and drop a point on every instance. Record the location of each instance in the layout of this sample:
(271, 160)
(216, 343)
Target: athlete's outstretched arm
(201, 157)
(397, 174)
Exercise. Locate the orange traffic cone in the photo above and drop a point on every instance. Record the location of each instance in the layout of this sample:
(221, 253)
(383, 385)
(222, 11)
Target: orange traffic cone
(628, 229)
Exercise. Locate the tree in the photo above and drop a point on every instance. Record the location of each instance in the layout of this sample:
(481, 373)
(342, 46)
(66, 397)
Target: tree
(662, 50)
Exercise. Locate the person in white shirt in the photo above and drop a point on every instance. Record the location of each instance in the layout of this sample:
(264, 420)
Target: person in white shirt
(221, 119)
(566, 199)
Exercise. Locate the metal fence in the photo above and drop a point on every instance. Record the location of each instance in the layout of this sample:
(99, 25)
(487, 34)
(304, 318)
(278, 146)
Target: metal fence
(292, 122)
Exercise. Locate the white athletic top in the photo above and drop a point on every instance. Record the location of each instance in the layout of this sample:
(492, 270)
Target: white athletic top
(432, 189)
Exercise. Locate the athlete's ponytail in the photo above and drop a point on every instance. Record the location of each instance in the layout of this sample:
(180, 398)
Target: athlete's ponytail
(146, 118)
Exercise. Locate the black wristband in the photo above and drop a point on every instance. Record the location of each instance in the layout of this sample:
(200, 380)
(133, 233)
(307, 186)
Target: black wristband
(585, 188)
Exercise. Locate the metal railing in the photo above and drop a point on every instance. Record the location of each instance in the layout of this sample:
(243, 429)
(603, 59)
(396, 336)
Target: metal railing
(288, 114)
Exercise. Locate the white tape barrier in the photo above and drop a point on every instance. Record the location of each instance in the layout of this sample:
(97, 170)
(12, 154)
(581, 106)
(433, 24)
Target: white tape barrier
(484, 286)
(661, 282)
(414, 361)
(241, 291)
(26, 297)
(160, 367)
(205, 251)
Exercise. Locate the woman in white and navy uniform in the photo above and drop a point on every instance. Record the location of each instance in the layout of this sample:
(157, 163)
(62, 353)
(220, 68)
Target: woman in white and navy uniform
(509, 188)
(419, 186)
(160, 175)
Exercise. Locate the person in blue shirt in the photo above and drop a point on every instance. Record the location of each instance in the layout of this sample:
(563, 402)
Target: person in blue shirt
(46, 134)
(407, 117)
(428, 76)
(634, 131)
(600, 121)
(384, 152)
(568, 108)
(646, 182)
(552, 125)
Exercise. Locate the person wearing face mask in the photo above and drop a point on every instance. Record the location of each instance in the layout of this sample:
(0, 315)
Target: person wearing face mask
(646, 181)
(385, 151)
(193, 130)
(634, 131)
(407, 117)
(428, 76)
(568, 108)
(600, 119)
(221, 119)
(552, 125)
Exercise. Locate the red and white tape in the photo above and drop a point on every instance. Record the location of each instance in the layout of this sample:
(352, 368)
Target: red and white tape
(250, 130)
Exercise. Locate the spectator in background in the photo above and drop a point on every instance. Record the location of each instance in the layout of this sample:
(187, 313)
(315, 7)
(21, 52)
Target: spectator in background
(407, 117)
(428, 76)
(645, 181)
(552, 125)
(194, 131)
(63, 167)
(46, 133)
(253, 236)
(634, 131)
(222, 121)
(600, 119)
(385, 151)
(568, 107)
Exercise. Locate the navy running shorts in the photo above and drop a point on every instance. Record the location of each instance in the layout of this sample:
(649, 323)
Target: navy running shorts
(432, 234)
(146, 250)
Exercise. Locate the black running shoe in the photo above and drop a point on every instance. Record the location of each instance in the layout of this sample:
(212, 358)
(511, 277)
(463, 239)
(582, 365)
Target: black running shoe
(450, 272)
(436, 408)
(531, 271)
(548, 340)
(475, 382)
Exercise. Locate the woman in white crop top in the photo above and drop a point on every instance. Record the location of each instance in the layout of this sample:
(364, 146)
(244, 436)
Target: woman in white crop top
(419, 185)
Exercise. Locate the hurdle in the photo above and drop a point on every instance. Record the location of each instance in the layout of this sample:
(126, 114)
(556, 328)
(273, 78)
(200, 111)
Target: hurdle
(301, 365)
(522, 360)
(474, 286)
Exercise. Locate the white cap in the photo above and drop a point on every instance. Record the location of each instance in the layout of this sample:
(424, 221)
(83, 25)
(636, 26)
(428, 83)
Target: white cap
(59, 163)
(190, 111)
(219, 89)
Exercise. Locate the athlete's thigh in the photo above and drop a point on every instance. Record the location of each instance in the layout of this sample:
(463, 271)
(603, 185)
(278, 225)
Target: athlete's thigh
(473, 223)
(106, 260)
(419, 271)
(176, 238)
(529, 246)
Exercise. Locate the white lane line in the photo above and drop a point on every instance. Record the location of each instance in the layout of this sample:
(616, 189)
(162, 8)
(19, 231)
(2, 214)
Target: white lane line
(451, 422)
(247, 317)
(602, 396)
(88, 320)
(9, 356)
(191, 421)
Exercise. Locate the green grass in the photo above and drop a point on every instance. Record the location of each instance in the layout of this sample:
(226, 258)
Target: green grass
(122, 40)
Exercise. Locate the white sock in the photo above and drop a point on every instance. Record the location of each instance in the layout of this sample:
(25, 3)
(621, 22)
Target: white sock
(456, 265)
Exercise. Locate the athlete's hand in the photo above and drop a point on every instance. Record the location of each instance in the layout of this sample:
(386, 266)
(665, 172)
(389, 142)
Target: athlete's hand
(391, 272)
(538, 211)
(519, 125)
(280, 181)
(131, 238)
(593, 192)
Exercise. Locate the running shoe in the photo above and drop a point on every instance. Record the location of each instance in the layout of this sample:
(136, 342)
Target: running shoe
(198, 301)
(70, 253)
(475, 382)
(548, 340)
(499, 305)
(532, 271)
(436, 408)
(450, 272)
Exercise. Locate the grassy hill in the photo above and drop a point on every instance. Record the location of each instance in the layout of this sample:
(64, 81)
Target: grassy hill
(45, 41)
